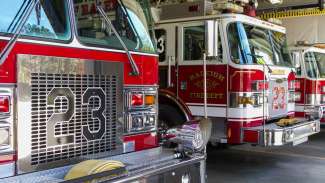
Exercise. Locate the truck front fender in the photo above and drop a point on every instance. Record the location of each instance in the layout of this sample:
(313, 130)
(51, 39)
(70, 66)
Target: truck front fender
(170, 98)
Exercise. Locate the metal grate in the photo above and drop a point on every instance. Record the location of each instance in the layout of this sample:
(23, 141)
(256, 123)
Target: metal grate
(41, 85)
(277, 98)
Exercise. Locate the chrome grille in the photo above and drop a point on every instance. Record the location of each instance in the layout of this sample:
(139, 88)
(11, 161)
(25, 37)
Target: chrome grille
(278, 98)
(68, 110)
(42, 84)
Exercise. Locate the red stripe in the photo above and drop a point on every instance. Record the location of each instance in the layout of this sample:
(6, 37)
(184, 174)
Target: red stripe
(9, 158)
(148, 65)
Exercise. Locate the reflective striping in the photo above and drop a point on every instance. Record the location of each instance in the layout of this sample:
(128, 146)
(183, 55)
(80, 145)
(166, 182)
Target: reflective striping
(292, 13)
(212, 111)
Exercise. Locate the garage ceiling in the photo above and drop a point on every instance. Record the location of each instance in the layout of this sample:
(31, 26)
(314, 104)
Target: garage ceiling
(263, 4)
(266, 5)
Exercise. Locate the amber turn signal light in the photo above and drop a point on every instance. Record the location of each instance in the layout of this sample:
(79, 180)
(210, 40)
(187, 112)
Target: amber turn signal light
(150, 99)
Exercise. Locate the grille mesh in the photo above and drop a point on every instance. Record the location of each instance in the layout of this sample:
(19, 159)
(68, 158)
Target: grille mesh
(41, 86)
(277, 99)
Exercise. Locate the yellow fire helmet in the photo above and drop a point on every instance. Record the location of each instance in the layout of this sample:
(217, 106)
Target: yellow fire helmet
(90, 167)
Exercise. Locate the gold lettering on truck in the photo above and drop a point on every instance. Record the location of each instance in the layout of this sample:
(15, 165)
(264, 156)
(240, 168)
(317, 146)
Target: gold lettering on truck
(209, 95)
(212, 74)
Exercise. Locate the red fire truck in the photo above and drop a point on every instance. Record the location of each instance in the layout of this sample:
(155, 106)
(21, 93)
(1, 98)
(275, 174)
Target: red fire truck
(250, 79)
(309, 62)
(78, 81)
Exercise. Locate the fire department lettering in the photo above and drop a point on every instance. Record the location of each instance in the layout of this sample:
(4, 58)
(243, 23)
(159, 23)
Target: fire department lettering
(209, 95)
(199, 75)
(67, 98)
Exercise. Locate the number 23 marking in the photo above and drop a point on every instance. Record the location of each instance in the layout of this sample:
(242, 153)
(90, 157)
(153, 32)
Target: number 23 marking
(279, 92)
(66, 116)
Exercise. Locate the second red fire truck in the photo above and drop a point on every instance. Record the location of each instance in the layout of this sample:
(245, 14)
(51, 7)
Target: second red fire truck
(78, 96)
(250, 79)
(309, 62)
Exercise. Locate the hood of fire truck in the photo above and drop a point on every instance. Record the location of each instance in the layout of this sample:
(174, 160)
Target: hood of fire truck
(76, 66)
(147, 63)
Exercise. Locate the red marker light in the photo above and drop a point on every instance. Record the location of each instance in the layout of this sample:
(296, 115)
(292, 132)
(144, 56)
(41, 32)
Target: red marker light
(137, 100)
(4, 104)
(262, 86)
(297, 85)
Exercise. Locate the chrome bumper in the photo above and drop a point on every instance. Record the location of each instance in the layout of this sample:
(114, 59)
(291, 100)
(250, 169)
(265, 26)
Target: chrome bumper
(154, 165)
(274, 135)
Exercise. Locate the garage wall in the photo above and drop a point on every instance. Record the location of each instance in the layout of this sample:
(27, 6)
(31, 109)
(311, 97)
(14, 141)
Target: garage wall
(310, 28)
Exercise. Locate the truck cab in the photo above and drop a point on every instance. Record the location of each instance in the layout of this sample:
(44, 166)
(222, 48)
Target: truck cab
(309, 62)
(250, 78)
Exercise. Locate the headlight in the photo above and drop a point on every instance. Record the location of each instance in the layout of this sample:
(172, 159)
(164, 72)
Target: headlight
(294, 97)
(314, 111)
(4, 137)
(242, 100)
(140, 109)
(323, 99)
(141, 122)
(313, 99)
(297, 96)
(6, 116)
(320, 112)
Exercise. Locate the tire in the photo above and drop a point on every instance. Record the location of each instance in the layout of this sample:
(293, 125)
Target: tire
(169, 117)
(218, 146)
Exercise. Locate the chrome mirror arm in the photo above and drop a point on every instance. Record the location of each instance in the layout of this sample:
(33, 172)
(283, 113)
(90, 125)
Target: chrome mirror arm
(11, 43)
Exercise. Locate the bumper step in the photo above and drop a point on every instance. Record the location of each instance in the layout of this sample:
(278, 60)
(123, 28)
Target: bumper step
(274, 135)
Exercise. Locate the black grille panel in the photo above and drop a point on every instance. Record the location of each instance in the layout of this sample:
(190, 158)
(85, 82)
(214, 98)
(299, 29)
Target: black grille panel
(41, 85)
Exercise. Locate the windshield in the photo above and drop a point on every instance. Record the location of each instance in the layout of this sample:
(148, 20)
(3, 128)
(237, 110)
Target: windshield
(250, 44)
(315, 64)
(48, 20)
(128, 18)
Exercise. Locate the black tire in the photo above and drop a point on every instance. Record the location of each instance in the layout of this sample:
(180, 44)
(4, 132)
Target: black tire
(218, 146)
(170, 116)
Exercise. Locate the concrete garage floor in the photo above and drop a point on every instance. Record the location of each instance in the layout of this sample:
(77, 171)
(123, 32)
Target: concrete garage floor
(304, 163)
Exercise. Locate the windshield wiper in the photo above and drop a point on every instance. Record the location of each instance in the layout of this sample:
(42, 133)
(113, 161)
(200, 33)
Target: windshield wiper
(131, 23)
(17, 31)
(257, 57)
(135, 69)
(18, 16)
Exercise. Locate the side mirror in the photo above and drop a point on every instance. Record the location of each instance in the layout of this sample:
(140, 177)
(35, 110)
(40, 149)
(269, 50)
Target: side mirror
(211, 36)
(296, 59)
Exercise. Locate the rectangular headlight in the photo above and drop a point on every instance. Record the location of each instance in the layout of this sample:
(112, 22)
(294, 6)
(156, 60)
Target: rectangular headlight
(141, 109)
(142, 122)
(255, 100)
(4, 137)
